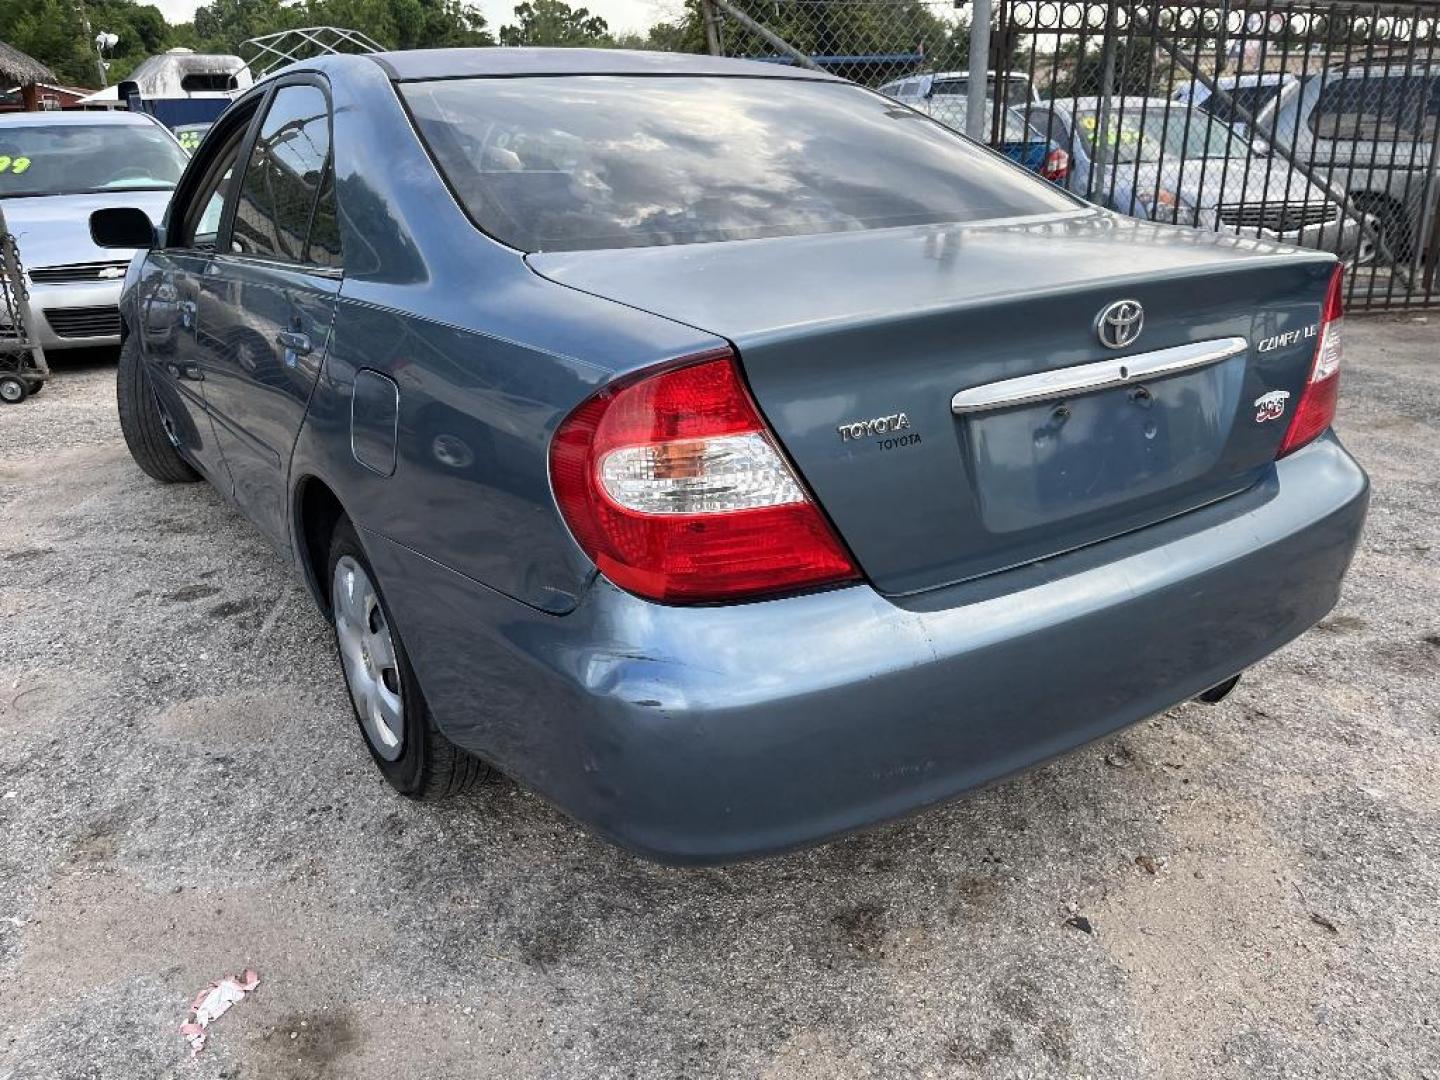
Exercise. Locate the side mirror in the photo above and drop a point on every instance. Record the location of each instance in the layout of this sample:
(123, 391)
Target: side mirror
(122, 227)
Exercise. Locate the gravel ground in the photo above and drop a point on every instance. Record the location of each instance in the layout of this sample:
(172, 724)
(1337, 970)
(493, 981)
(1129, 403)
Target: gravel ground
(182, 794)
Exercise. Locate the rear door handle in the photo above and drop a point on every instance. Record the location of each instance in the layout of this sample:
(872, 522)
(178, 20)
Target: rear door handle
(295, 342)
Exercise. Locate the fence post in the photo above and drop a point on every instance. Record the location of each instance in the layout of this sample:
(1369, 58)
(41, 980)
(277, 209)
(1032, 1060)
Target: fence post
(775, 40)
(977, 92)
(1100, 147)
(712, 29)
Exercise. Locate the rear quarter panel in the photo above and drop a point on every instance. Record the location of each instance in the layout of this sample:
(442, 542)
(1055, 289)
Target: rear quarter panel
(489, 358)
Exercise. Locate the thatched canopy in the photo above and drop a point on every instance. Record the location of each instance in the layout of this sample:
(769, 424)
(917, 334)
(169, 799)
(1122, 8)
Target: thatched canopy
(18, 69)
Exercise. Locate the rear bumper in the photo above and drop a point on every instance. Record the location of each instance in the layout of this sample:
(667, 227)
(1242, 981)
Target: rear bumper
(709, 734)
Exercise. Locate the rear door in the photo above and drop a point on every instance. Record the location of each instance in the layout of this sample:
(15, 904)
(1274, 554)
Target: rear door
(267, 298)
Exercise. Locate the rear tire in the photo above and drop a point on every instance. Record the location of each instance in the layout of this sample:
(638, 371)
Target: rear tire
(142, 422)
(399, 730)
(1394, 225)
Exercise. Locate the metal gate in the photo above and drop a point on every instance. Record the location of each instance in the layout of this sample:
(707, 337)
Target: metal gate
(1314, 124)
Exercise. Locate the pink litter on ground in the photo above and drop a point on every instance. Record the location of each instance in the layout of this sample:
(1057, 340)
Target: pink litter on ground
(212, 1003)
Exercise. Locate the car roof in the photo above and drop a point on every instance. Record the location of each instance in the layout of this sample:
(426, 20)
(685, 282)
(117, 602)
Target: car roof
(1127, 103)
(1252, 79)
(502, 62)
(79, 117)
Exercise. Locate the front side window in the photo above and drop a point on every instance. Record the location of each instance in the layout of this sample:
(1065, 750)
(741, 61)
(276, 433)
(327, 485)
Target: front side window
(208, 207)
(568, 163)
(285, 175)
(208, 225)
(84, 158)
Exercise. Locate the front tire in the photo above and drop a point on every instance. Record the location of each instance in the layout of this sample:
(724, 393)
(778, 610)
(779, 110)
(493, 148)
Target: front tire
(142, 422)
(399, 730)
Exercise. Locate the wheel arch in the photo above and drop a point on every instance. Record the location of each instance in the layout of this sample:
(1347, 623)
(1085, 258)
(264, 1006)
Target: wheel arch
(317, 511)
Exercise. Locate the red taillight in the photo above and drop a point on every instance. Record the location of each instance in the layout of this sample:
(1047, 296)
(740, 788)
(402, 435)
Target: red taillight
(673, 485)
(1316, 410)
(1057, 165)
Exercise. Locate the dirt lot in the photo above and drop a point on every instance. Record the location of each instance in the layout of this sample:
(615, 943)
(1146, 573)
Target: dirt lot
(182, 794)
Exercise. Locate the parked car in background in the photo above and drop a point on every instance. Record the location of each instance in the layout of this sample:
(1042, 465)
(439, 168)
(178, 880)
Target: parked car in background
(945, 95)
(56, 168)
(1251, 92)
(1152, 158)
(1371, 129)
(1017, 140)
(745, 483)
(1026, 146)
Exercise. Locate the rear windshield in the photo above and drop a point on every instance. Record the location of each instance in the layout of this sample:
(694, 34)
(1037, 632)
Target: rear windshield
(581, 162)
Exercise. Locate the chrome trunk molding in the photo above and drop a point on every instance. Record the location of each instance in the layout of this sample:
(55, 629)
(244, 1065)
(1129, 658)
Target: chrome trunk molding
(1086, 378)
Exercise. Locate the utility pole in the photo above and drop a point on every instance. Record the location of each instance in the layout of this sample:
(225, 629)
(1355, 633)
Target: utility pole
(978, 90)
(99, 58)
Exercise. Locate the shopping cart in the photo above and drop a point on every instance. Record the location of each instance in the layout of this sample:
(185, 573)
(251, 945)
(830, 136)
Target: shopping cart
(23, 370)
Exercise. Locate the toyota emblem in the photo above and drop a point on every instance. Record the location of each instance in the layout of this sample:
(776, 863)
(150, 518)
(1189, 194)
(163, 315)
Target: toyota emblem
(1120, 323)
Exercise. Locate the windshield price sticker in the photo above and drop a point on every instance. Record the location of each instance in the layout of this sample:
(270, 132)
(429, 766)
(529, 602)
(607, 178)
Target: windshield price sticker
(1115, 135)
(15, 165)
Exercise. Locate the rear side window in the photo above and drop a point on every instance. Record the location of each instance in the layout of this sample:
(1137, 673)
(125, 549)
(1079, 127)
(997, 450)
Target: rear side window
(571, 163)
(1252, 99)
(1016, 91)
(286, 183)
(1378, 107)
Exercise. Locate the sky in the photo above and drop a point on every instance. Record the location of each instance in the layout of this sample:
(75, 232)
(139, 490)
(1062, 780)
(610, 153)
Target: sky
(620, 14)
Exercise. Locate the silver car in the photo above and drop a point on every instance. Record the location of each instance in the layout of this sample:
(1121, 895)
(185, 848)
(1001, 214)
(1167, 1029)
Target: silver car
(57, 168)
(1372, 130)
(1154, 158)
(945, 95)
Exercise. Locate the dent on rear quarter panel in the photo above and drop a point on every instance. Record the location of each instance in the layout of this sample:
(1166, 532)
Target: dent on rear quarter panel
(488, 356)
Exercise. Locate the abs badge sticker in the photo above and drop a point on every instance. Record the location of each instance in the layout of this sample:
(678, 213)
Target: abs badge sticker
(1271, 406)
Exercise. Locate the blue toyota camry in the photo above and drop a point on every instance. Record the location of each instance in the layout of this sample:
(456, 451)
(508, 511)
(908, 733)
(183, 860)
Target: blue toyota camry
(729, 453)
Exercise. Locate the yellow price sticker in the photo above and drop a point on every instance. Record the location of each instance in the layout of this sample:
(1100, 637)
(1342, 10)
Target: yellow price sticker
(14, 165)
(1115, 136)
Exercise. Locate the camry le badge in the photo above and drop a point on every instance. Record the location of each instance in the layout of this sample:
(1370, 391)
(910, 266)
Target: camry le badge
(1120, 323)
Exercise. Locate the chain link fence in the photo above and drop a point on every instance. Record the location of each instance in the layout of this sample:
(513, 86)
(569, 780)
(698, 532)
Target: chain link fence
(1310, 124)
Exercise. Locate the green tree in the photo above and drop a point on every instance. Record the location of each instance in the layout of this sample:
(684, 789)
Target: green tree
(53, 33)
(223, 25)
(687, 36)
(554, 22)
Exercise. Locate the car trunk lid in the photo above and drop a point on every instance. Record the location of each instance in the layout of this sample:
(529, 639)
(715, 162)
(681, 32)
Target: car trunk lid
(855, 344)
